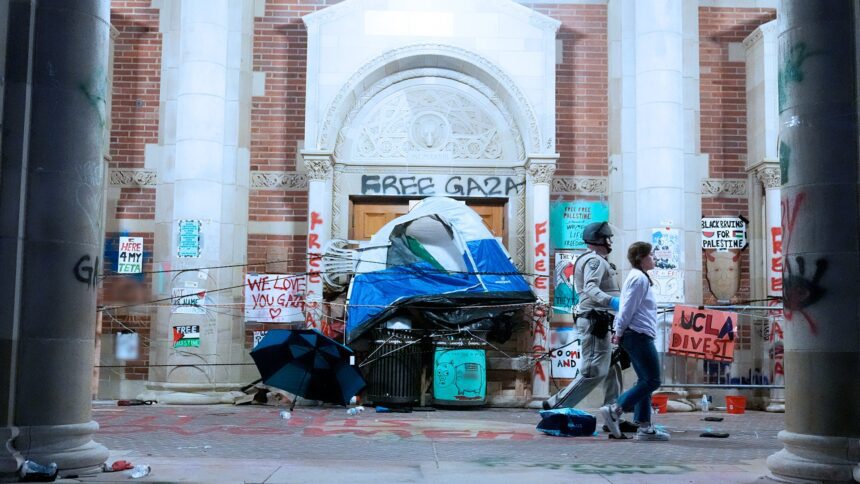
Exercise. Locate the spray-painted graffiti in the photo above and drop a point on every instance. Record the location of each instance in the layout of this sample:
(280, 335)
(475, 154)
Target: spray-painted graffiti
(313, 313)
(600, 469)
(86, 271)
(791, 72)
(541, 284)
(776, 266)
(470, 186)
(799, 289)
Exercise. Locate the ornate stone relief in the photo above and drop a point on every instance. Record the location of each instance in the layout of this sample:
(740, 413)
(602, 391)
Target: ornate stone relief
(427, 73)
(278, 179)
(541, 172)
(590, 185)
(319, 168)
(332, 121)
(520, 260)
(769, 176)
(718, 187)
(420, 123)
(339, 199)
(132, 178)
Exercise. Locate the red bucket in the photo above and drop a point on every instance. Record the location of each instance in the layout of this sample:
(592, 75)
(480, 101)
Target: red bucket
(736, 404)
(661, 402)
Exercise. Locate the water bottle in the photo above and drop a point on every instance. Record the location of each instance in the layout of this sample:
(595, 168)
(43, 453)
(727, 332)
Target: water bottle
(286, 415)
(352, 411)
(139, 471)
(34, 470)
(705, 403)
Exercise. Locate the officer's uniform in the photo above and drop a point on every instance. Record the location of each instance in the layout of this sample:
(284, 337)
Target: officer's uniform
(596, 282)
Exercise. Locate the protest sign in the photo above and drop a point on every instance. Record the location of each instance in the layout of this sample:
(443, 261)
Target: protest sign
(189, 238)
(188, 300)
(130, 255)
(724, 233)
(566, 352)
(274, 298)
(127, 346)
(667, 275)
(187, 336)
(703, 333)
(568, 220)
(564, 295)
(258, 336)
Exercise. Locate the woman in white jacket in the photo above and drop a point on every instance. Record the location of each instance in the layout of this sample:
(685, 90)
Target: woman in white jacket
(635, 330)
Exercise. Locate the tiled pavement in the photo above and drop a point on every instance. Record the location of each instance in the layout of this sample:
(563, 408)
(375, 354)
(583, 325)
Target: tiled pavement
(253, 444)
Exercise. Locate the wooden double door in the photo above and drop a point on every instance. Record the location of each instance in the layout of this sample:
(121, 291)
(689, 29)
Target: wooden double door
(369, 214)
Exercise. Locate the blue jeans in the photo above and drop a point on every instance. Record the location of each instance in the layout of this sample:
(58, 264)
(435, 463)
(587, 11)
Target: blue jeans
(646, 363)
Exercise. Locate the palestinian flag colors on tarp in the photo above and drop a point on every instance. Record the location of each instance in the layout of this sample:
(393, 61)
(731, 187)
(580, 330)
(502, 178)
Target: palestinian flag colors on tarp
(186, 336)
(439, 259)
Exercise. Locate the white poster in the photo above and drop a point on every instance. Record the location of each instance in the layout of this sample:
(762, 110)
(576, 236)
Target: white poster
(564, 294)
(566, 352)
(274, 298)
(127, 346)
(189, 299)
(130, 256)
(667, 275)
(724, 233)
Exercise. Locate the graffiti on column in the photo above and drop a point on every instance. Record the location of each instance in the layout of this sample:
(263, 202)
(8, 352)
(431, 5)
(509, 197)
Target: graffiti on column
(801, 288)
(86, 270)
(313, 310)
(541, 285)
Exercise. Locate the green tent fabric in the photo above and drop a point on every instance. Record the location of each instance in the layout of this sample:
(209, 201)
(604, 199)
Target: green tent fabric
(418, 249)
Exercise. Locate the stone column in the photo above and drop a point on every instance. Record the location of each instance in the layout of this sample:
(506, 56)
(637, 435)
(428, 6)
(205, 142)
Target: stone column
(205, 181)
(768, 175)
(319, 167)
(818, 103)
(51, 228)
(539, 170)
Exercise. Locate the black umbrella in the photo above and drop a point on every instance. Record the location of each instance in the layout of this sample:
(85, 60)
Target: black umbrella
(307, 363)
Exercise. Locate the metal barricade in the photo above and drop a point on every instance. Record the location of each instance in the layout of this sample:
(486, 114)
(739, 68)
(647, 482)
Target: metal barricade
(758, 352)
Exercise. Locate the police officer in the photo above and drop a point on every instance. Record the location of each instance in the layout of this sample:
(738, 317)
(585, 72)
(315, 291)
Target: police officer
(596, 282)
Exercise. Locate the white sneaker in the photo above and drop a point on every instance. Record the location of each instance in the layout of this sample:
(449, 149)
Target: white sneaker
(611, 419)
(652, 434)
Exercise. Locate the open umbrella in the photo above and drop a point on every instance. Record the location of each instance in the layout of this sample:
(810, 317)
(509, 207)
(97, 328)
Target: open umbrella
(306, 363)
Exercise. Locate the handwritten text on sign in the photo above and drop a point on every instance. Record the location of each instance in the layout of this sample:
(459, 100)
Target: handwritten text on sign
(703, 333)
(724, 233)
(130, 257)
(274, 298)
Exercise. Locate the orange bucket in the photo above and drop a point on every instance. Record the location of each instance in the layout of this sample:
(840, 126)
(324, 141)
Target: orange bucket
(736, 404)
(661, 402)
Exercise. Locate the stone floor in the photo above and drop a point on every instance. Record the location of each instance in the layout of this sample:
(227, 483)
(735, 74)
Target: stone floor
(253, 444)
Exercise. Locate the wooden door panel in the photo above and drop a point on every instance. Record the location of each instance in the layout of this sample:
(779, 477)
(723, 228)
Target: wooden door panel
(368, 218)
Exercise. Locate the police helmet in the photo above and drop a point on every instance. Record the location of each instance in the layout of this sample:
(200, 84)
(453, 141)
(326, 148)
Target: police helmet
(596, 233)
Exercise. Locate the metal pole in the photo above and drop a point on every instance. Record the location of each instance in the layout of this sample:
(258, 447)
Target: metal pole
(818, 100)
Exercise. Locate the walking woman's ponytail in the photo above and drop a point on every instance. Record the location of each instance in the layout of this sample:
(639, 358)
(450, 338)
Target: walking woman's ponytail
(635, 254)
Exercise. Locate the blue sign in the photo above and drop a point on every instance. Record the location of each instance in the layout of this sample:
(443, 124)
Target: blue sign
(189, 238)
(567, 220)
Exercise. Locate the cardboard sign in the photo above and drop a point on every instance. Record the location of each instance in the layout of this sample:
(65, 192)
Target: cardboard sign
(566, 353)
(703, 333)
(130, 256)
(189, 238)
(186, 336)
(724, 233)
(274, 298)
(568, 220)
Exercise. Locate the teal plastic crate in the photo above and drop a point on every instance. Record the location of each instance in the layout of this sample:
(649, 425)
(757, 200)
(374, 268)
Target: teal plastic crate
(459, 376)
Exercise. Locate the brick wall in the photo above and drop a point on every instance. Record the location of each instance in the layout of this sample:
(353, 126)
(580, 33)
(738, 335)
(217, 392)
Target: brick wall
(723, 111)
(581, 84)
(135, 103)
